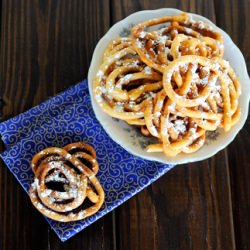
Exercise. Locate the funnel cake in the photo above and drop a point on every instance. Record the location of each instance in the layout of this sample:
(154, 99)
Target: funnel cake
(169, 79)
(176, 133)
(65, 187)
(124, 82)
(204, 89)
(157, 40)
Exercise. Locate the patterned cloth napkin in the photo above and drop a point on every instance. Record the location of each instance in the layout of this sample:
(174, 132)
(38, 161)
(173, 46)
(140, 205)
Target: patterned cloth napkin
(66, 118)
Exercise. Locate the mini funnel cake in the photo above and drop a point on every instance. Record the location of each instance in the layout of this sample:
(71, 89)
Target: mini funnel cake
(65, 187)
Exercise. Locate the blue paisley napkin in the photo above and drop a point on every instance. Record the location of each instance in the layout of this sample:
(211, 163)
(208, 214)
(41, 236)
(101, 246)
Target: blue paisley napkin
(66, 118)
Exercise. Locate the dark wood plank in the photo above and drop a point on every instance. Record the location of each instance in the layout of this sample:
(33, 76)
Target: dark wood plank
(190, 207)
(17, 215)
(236, 24)
(46, 46)
(99, 235)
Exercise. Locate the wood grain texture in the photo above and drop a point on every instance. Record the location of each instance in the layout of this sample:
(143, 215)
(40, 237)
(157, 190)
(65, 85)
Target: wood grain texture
(17, 216)
(190, 207)
(236, 24)
(46, 46)
(121, 8)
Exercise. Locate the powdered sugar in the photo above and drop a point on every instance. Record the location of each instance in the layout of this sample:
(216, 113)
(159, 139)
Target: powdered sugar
(142, 34)
(56, 164)
(147, 70)
(35, 184)
(179, 126)
(39, 206)
(172, 107)
(201, 25)
(46, 193)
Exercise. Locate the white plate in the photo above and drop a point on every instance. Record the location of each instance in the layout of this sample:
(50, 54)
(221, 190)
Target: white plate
(129, 137)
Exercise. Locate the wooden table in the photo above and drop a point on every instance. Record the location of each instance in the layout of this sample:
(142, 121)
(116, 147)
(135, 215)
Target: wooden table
(46, 46)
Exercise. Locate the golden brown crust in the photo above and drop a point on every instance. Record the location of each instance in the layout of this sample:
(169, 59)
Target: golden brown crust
(64, 179)
(170, 80)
